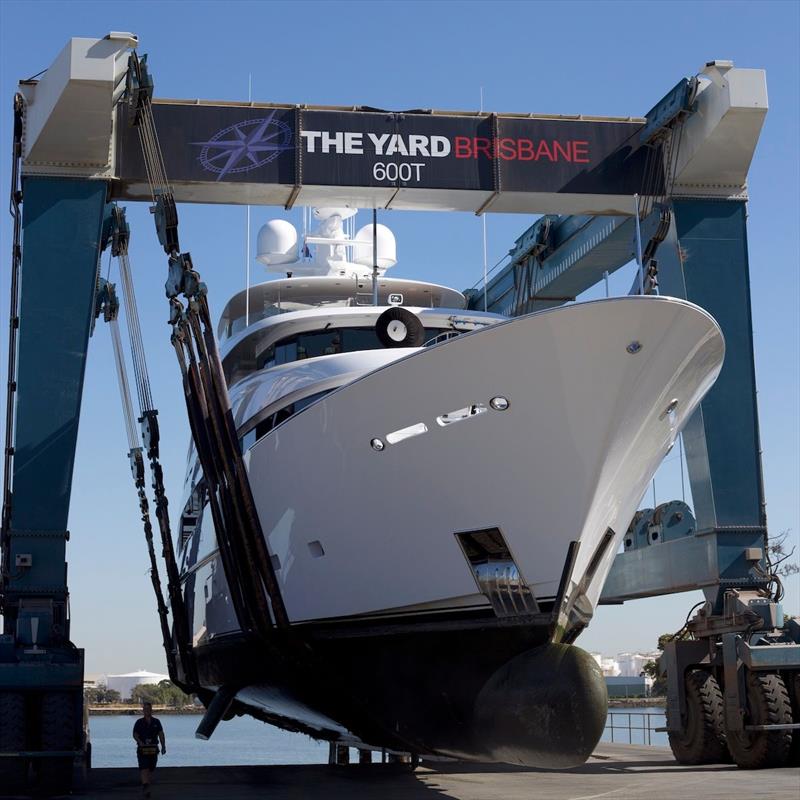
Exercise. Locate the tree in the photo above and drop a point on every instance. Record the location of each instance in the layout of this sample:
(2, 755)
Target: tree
(145, 693)
(101, 695)
(171, 695)
(652, 669)
(778, 555)
(165, 693)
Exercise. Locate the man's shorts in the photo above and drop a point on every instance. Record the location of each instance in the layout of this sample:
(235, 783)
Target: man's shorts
(147, 755)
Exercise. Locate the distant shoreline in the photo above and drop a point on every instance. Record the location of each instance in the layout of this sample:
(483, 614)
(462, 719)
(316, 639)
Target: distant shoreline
(135, 710)
(636, 702)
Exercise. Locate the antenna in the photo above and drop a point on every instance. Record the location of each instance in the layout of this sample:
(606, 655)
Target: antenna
(374, 256)
(485, 267)
(247, 252)
(305, 234)
(485, 260)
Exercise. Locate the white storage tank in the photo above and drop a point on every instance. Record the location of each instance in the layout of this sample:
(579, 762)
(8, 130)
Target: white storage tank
(124, 684)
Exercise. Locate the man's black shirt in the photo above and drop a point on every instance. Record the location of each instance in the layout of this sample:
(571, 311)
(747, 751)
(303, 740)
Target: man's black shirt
(147, 731)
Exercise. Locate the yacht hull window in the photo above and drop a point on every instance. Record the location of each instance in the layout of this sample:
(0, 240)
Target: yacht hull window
(327, 343)
(273, 420)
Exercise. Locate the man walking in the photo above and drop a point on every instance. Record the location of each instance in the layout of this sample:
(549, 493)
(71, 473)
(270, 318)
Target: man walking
(148, 733)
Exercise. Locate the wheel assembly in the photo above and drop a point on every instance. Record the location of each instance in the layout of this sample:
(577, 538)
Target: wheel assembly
(768, 703)
(701, 739)
(792, 680)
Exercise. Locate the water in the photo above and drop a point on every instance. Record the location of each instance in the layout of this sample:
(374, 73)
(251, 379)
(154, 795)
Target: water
(244, 740)
(637, 718)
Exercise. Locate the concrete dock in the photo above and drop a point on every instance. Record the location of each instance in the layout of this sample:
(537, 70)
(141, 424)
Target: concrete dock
(616, 772)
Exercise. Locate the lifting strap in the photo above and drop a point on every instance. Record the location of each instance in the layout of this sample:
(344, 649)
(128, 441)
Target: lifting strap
(248, 568)
(108, 305)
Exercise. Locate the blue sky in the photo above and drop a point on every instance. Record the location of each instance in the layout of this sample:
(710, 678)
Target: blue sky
(600, 58)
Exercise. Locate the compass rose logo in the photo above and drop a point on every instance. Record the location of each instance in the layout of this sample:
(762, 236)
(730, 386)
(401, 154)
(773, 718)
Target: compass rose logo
(245, 146)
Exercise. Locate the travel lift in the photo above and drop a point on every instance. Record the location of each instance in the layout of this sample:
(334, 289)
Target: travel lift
(86, 134)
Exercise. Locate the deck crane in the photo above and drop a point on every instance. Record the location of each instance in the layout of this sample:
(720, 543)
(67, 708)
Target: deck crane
(76, 149)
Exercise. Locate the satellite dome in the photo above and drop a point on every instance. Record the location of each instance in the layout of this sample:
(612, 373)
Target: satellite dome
(277, 243)
(387, 247)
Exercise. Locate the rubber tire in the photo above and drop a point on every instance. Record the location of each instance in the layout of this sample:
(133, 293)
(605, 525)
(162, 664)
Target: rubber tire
(415, 336)
(702, 741)
(768, 704)
(58, 733)
(792, 680)
(13, 774)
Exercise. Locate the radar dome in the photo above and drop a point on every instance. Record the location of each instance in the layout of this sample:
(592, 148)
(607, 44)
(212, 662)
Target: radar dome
(387, 247)
(277, 243)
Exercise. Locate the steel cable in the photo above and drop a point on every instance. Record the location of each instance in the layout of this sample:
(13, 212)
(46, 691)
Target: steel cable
(124, 386)
(135, 335)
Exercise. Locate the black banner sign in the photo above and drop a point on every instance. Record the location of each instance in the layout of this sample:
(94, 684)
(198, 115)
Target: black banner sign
(281, 152)
(369, 149)
(215, 143)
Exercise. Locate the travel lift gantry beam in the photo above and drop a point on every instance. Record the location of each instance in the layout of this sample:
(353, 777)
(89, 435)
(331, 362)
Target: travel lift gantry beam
(77, 151)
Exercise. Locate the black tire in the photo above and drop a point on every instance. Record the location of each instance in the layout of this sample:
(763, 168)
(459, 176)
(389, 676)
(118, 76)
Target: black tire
(59, 732)
(58, 721)
(398, 327)
(767, 704)
(13, 773)
(702, 739)
(12, 722)
(793, 686)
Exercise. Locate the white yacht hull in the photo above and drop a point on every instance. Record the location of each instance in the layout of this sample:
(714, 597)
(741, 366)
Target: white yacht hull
(394, 640)
(361, 532)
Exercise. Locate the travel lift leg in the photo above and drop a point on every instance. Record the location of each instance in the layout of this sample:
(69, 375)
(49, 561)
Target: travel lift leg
(41, 672)
(735, 686)
(756, 662)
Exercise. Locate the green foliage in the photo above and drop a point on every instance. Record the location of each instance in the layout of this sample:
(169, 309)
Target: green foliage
(101, 695)
(652, 669)
(164, 693)
(666, 638)
(779, 555)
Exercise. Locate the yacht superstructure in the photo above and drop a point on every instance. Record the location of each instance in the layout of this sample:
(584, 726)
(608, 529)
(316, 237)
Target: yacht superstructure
(442, 492)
